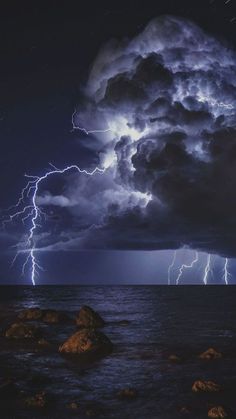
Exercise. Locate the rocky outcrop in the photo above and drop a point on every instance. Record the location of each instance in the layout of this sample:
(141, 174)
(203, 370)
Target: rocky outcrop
(87, 317)
(53, 316)
(33, 313)
(205, 386)
(217, 413)
(23, 331)
(47, 315)
(211, 353)
(87, 341)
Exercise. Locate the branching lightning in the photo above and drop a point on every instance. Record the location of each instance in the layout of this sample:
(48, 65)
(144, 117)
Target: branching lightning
(87, 132)
(33, 212)
(184, 266)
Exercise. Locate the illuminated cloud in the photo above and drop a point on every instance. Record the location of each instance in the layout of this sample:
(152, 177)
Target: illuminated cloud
(159, 114)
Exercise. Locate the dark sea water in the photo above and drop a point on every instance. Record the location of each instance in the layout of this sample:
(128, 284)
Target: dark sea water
(184, 320)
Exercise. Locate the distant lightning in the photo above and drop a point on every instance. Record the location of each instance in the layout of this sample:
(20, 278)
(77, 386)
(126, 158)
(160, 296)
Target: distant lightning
(226, 274)
(184, 266)
(207, 269)
(171, 266)
(34, 213)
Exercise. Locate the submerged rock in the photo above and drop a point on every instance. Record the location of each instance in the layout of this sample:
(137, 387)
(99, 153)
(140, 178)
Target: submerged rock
(33, 313)
(87, 341)
(127, 394)
(53, 316)
(87, 317)
(174, 358)
(217, 413)
(73, 406)
(38, 401)
(22, 331)
(205, 386)
(211, 353)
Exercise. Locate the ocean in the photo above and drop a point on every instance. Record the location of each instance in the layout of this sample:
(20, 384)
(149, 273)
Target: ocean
(160, 321)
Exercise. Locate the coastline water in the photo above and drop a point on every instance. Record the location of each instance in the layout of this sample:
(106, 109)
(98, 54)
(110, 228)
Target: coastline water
(161, 321)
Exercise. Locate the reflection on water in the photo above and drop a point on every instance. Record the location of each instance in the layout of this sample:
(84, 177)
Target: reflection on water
(162, 321)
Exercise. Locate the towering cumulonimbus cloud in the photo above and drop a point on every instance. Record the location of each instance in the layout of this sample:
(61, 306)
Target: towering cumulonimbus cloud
(162, 106)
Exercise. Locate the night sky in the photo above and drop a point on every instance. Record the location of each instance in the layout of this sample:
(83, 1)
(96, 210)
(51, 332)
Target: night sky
(164, 97)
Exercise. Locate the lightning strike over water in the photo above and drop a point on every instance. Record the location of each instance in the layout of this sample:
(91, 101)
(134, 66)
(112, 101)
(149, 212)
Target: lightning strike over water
(171, 266)
(207, 269)
(33, 212)
(226, 272)
(185, 266)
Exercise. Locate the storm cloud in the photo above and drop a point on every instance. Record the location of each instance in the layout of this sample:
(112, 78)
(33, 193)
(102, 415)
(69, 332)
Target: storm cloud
(162, 110)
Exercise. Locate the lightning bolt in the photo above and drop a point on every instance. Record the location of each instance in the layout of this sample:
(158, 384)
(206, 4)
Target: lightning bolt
(171, 266)
(33, 212)
(207, 269)
(184, 266)
(226, 273)
(87, 132)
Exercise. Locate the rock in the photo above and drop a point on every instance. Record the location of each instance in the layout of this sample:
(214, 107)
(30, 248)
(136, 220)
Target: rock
(127, 393)
(53, 316)
(205, 386)
(87, 341)
(217, 413)
(73, 406)
(174, 358)
(33, 313)
(211, 353)
(38, 401)
(22, 331)
(87, 317)
(48, 316)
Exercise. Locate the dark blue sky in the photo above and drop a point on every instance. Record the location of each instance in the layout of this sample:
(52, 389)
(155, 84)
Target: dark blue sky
(46, 55)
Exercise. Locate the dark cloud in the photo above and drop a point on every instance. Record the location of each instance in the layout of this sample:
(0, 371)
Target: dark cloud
(166, 101)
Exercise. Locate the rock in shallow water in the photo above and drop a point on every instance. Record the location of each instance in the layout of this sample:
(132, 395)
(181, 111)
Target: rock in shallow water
(211, 353)
(33, 313)
(87, 317)
(53, 316)
(22, 331)
(87, 341)
(47, 315)
(174, 358)
(205, 386)
(217, 413)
